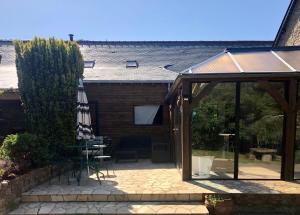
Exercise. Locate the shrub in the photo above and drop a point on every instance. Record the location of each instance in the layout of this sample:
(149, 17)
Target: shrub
(9, 170)
(213, 200)
(48, 71)
(26, 149)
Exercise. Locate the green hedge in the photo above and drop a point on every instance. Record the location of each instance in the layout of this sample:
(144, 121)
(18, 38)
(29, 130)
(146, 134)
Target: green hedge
(48, 72)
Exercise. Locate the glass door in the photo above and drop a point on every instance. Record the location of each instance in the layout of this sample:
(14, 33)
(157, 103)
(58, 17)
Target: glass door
(213, 132)
(261, 133)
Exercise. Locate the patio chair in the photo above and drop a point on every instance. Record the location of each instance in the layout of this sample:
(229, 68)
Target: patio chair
(76, 160)
(107, 157)
(90, 153)
(81, 156)
(60, 165)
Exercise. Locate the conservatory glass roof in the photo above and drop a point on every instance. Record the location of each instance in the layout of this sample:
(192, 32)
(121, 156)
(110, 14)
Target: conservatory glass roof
(252, 60)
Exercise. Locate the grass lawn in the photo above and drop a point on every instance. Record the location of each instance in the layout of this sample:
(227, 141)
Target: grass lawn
(243, 158)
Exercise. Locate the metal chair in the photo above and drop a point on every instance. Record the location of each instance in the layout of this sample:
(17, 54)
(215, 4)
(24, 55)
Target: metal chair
(91, 151)
(107, 157)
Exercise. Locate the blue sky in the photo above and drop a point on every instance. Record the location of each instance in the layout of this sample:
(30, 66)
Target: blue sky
(142, 19)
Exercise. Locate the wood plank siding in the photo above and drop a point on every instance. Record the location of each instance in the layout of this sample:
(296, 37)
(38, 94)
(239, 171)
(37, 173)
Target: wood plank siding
(11, 116)
(111, 110)
(114, 103)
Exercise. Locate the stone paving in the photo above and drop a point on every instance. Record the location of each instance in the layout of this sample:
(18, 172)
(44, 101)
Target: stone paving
(145, 178)
(146, 188)
(111, 208)
(141, 181)
(249, 186)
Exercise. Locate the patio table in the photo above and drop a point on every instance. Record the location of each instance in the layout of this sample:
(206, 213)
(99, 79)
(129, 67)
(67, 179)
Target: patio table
(89, 150)
(263, 153)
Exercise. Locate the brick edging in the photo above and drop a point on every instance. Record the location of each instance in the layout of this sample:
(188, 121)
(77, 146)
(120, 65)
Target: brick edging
(11, 191)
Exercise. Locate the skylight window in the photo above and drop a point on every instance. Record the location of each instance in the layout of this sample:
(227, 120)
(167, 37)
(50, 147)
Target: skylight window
(168, 66)
(89, 64)
(132, 64)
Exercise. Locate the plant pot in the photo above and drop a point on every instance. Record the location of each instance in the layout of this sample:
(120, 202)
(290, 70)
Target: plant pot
(222, 208)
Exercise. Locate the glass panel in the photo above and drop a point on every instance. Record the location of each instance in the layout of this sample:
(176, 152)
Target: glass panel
(291, 57)
(297, 148)
(222, 64)
(177, 136)
(260, 62)
(213, 134)
(89, 64)
(148, 115)
(197, 88)
(261, 130)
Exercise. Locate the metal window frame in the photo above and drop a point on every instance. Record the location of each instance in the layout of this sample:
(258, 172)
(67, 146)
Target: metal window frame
(91, 62)
(132, 61)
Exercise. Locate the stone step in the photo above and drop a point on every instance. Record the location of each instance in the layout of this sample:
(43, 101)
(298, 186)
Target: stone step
(103, 197)
(108, 208)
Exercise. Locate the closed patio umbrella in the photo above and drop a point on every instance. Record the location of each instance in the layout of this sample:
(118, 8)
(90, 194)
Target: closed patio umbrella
(84, 127)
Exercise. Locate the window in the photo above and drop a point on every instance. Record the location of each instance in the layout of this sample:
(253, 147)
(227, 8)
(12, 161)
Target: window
(148, 115)
(0, 58)
(132, 64)
(89, 64)
(168, 66)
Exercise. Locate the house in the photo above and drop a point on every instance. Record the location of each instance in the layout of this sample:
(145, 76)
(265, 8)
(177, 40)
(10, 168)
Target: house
(127, 83)
(289, 30)
(122, 80)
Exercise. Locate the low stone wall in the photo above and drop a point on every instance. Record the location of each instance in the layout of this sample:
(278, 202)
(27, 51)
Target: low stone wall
(11, 191)
(277, 203)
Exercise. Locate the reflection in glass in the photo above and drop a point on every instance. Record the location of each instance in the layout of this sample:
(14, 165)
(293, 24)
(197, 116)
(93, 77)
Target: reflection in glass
(297, 147)
(213, 133)
(261, 128)
(177, 136)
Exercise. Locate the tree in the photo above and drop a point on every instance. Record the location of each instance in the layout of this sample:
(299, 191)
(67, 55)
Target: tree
(261, 120)
(48, 71)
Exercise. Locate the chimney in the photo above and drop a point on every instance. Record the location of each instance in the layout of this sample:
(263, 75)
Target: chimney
(71, 37)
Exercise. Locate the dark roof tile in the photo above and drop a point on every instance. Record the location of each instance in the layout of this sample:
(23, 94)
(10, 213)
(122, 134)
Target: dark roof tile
(153, 56)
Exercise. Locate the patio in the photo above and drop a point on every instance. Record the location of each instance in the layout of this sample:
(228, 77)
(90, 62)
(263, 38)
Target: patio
(147, 181)
(142, 180)
(145, 187)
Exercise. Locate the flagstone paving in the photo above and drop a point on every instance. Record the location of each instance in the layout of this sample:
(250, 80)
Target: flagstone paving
(145, 181)
(141, 181)
(147, 188)
(249, 186)
(111, 208)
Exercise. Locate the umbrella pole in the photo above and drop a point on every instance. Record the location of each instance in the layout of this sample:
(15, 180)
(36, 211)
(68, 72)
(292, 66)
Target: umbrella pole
(87, 159)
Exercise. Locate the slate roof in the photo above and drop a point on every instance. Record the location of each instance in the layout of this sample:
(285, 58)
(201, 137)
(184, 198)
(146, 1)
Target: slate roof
(159, 61)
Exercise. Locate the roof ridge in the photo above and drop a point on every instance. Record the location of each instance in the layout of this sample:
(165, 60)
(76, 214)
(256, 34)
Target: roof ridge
(161, 42)
(171, 42)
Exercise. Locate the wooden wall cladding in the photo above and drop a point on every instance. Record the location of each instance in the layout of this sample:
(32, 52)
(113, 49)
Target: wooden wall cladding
(114, 106)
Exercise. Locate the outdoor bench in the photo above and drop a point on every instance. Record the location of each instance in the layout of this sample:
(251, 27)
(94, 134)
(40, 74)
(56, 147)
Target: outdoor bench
(133, 147)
